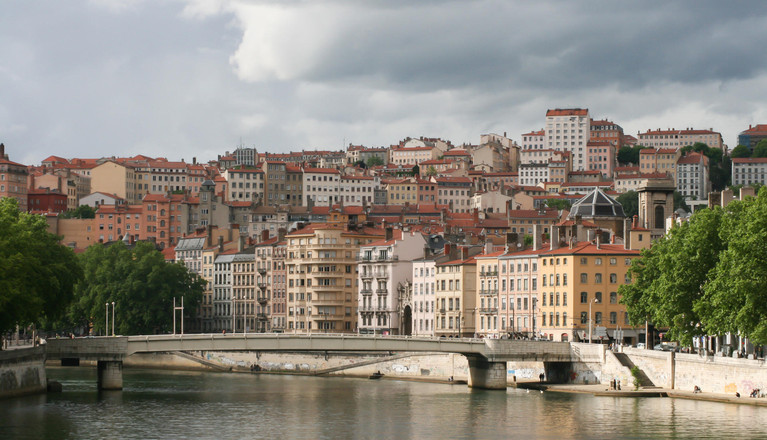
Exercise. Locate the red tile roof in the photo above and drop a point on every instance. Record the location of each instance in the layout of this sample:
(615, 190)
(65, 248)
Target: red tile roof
(568, 112)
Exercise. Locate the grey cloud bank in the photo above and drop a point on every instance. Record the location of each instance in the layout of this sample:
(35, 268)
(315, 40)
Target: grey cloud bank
(192, 78)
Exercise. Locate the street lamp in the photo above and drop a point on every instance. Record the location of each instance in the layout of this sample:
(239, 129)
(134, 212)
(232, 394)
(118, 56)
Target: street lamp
(595, 301)
(106, 325)
(113, 318)
(535, 301)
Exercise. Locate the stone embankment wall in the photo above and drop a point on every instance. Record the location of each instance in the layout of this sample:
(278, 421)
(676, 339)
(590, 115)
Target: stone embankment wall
(716, 374)
(22, 371)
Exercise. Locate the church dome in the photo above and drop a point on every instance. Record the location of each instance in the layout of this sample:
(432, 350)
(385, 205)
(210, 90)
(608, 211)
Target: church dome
(596, 204)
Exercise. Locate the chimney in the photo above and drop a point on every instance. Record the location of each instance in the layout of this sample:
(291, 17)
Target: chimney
(448, 248)
(599, 238)
(281, 234)
(511, 241)
(220, 243)
(389, 233)
(627, 234)
(476, 215)
(554, 237)
(2, 151)
(209, 235)
(194, 161)
(264, 235)
(488, 246)
(536, 237)
(241, 242)
(464, 252)
(590, 235)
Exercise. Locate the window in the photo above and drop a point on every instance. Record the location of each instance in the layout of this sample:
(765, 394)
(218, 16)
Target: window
(584, 278)
(598, 278)
(598, 318)
(613, 318)
(584, 297)
(598, 261)
(613, 298)
(584, 317)
(584, 260)
(613, 278)
(598, 297)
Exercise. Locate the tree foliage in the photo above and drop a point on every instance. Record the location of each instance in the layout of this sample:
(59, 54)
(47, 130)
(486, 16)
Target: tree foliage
(629, 155)
(720, 165)
(760, 150)
(82, 211)
(707, 276)
(558, 203)
(140, 282)
(37, 274)
(374, 161)
(630, 202)
(679, 202)
(740, 151)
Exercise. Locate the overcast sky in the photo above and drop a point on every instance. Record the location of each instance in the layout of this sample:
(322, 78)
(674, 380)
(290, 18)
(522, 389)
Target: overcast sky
(194, 78)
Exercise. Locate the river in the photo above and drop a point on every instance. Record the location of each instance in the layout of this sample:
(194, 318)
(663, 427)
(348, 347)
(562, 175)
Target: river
(201, 405)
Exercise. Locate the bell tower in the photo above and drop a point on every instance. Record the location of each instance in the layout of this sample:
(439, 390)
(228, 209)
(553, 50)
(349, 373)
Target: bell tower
(656, 203)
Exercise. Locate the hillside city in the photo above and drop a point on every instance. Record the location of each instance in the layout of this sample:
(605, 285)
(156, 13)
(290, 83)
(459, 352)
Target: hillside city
(526, 237)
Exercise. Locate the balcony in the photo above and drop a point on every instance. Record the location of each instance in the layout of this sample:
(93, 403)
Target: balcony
(382, 274)
(489, 292)
(262, 286)
(366, 275)
(263, 300)
(366, 291)
(324, 288)
(262, 270)
(382, 291)
(262, 317)
(442, 311)
(367, 308)
(492, 310)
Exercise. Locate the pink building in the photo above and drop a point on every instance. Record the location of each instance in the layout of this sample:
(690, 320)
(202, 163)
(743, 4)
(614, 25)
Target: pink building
(600, 156)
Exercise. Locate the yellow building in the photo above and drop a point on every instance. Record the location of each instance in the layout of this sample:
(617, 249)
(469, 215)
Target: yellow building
(579, 286)
(401, 191)
(322, 277)
(456, 297)
(487, 293)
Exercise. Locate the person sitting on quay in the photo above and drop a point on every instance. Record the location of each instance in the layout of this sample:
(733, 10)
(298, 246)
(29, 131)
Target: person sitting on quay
(696, 390)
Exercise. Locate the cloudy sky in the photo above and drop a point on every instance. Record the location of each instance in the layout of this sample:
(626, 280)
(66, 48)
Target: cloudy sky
(194, 78)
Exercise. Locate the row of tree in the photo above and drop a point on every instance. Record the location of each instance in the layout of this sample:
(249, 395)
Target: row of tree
(46, 284)
(707, 276)
(760, 150)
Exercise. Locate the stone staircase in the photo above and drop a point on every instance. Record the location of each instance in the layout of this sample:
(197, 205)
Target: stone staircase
(644, 381)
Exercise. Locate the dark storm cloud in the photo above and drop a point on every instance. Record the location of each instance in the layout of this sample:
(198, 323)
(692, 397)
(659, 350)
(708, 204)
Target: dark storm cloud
(186, 78)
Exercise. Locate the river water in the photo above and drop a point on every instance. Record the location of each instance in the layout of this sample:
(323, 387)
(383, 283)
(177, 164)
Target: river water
(196, 405)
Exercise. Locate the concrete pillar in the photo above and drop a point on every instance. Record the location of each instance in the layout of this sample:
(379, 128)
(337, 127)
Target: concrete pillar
(486, 375)
(110, 375)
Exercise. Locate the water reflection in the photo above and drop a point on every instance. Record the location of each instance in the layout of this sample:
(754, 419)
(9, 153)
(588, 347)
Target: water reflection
(165, 404)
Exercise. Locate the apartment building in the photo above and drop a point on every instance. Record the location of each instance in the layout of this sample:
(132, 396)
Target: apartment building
(223, 307)
(569, 130)
(455, 192)
(579, 285)
(114, 178)
(676, 139)
(752, 136)
(749, 170)
(163, 220)
(245, 184)
(322, 278)
(321, 186)
(518, 292)
(455, 296)
(115, 222)
(601, 156)
(692, 179)
(401, 191)
(487, 294)
(533, 174)
(607, 131)
(412, 155)
(534, 140)
(384, 272)
(283, 184)
(661, 160)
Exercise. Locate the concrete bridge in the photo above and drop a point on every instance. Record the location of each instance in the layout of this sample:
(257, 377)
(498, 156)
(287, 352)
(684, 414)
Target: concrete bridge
(487, 357)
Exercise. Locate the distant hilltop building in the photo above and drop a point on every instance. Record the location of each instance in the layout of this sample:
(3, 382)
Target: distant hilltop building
(752, 136)
(673, 138)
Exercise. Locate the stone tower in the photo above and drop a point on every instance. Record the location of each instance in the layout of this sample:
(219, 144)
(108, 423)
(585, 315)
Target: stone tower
(656, 202)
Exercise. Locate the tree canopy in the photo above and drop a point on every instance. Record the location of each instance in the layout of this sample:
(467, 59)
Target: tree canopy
(82, 211)
(720, 165)
(760, 150)
(558, 203)
(374, 161)
(740, 151)
(630, 202)
(140, 282)
(707, 276)
(629, 155)
(37, 274)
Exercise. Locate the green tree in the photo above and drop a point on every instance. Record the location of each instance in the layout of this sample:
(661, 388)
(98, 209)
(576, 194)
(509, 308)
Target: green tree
(82, 211)
(558, 203)
(629, 155)
(431, 171)
(416, 170)
(679, 202)
(668, 280)
(740, 151)
(735, 298)
(374, 161)
(140, 282)
(630, 202)
(760, 150)
(37, 274)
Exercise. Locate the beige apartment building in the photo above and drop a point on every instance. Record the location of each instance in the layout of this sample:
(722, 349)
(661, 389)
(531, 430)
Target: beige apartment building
(676, 139)
(662, 160)
(113, 178)
(322, 286)
(456, 297)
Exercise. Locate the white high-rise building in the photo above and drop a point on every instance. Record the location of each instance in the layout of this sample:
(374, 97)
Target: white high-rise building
(569, 130)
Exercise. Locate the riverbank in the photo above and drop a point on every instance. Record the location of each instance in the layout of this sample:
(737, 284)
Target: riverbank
(22, 371)
(603, 390)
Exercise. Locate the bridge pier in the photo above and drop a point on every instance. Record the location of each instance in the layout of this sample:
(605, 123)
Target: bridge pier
(110, 375)
(486, 374)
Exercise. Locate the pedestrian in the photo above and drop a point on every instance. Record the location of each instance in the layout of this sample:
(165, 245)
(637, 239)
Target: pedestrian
(541, 377)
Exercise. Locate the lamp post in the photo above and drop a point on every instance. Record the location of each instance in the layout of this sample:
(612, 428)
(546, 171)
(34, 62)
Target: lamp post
(106, 325)
(113, 318)
(595, 301)
(535, 301)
